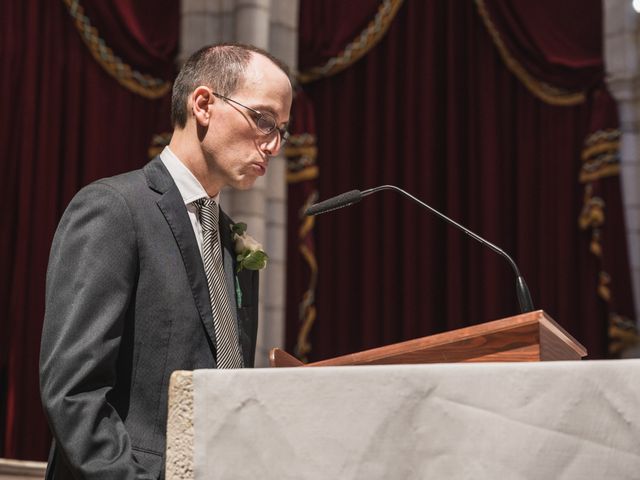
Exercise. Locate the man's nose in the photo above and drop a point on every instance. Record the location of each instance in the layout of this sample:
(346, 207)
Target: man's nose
(272, 144)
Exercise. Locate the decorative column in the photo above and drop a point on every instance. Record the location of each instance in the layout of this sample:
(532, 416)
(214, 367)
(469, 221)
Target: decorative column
(622, 56)
(271, 25)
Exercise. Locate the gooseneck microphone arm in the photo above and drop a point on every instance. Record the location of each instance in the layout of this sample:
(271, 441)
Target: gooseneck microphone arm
(354, 196)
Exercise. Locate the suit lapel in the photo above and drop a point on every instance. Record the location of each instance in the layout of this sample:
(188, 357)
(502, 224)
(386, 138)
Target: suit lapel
(174, 210)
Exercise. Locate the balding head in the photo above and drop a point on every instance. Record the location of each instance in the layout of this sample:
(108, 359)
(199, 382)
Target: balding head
(220, 67)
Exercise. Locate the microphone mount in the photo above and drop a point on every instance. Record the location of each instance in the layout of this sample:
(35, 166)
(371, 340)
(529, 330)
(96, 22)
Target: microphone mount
(354, 196)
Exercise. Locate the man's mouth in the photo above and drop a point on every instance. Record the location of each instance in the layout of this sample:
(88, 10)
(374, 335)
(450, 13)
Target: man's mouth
(261, 168)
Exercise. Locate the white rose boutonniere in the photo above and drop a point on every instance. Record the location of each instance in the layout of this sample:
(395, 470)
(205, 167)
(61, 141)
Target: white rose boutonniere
(250, 254)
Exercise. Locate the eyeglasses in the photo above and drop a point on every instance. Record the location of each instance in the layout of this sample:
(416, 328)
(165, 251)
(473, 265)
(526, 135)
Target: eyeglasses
(265, 121)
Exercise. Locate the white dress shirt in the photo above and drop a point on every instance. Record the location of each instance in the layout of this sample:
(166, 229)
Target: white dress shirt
(190, 190)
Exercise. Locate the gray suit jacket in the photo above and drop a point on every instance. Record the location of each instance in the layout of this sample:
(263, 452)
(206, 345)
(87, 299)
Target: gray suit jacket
(126, 305)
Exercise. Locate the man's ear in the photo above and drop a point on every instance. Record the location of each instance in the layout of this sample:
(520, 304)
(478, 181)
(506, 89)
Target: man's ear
(201, 99)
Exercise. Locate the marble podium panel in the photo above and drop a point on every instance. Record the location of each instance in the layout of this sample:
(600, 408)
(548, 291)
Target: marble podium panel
(559, 420)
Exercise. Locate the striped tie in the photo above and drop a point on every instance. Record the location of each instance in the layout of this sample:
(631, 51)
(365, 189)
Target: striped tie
(224, 325)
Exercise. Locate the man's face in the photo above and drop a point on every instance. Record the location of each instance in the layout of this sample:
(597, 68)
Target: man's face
(235, 150)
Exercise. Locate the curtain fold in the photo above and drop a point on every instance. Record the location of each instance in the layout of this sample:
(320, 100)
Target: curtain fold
(434, 109)
(335, 60)
(64, 123)
(558, 43)
(143, 32)
(138, 37)
(339, 23)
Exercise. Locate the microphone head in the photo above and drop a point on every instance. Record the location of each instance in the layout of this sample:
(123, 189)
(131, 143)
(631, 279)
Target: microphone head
(333, 203)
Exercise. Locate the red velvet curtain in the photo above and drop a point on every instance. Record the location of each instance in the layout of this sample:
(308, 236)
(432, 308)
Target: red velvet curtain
(65, 122)
(434, 109)
(557, 42)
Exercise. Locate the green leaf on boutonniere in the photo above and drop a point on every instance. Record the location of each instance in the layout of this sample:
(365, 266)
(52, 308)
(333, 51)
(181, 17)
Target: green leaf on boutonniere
(252, 260)
(239, 228)
(250, 254)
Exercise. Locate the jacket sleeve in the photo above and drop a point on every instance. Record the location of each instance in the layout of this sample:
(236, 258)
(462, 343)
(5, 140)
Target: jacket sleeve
(90, 282)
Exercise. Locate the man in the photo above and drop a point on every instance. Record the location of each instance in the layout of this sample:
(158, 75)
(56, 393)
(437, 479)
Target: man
(143, 280)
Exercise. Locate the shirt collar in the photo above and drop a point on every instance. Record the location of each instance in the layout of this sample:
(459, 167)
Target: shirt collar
(188, 185)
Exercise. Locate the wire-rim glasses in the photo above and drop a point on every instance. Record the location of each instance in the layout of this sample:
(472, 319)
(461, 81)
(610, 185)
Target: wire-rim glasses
(264, 121)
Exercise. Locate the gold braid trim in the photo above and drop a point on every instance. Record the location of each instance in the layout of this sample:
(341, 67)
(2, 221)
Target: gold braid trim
(309, 173)
(301, 152)
(605, 171)
(592, 217)
(355, 50)
(604, 286)
(158, 142)
(599, 160)
(307, 311)
(545, 92)
(307, 224)
(592, 214)
(623, 334)
(142, 84)
(600, 155)
(603, 147)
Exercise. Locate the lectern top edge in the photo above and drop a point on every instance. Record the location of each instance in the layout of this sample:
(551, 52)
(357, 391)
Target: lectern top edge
(532, 336)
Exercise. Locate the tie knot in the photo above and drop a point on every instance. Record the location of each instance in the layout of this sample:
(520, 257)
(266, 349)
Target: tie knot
(208, 213)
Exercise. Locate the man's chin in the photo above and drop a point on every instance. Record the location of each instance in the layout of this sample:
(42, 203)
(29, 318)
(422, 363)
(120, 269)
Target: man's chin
(245, 183)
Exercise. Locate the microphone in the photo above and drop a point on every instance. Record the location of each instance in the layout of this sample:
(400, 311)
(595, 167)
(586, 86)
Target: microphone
(354, 196)
(339, 201)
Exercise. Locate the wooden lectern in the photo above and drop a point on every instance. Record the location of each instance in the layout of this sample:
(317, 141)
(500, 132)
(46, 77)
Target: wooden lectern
(529, 337)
